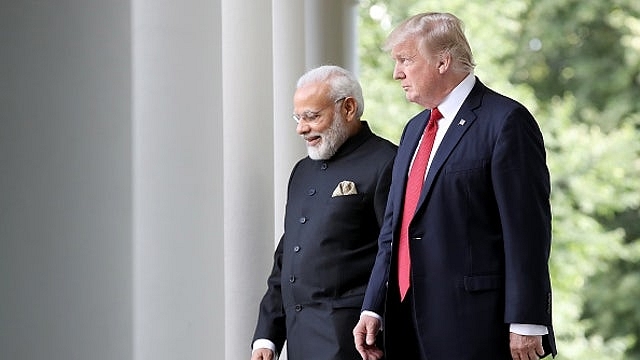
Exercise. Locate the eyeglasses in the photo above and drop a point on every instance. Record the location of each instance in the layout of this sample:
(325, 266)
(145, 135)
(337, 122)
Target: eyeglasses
(312, 117)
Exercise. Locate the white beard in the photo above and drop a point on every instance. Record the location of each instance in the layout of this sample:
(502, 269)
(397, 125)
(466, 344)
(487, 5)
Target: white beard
(331, 139)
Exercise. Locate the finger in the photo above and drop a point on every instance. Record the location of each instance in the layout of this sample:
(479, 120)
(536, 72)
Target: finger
(262, 354)
(528, 354)
(373, 327)
(359, 339)
(364, 353)
(359, 334)
(524, 354)
(540, 349)
(371, 338)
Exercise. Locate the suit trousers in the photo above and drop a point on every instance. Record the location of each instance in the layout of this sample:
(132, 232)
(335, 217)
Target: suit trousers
(401, 341)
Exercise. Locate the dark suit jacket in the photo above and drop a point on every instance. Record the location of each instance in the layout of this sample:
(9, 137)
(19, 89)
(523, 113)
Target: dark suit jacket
(480, 238)
(324, 258)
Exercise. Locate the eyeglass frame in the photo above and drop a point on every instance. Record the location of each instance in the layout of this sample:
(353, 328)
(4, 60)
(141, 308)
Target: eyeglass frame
(311, 117)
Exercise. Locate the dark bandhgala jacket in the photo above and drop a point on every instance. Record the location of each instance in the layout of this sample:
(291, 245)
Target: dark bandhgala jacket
(323, 261)
(480, 238)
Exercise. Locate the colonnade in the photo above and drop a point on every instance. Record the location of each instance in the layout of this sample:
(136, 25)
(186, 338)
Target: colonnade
(145, 148)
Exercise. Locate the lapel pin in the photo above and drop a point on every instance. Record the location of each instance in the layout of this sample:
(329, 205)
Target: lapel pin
(462, 122)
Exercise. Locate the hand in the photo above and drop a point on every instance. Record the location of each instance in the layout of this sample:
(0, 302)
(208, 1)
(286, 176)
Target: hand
(262, 354)
(525, 347)
(364, 336)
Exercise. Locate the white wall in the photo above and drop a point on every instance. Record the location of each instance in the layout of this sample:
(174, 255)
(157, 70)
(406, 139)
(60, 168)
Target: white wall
(65, 180)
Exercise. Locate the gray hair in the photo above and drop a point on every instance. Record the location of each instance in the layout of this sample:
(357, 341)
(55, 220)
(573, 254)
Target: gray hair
(437, 33)
(342, 83)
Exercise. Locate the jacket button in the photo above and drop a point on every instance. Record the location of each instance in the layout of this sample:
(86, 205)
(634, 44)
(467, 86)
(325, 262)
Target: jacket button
(311, 192)
(303, 220)
(298, 307)
(324, 166)
(296, 248)
(292, 279)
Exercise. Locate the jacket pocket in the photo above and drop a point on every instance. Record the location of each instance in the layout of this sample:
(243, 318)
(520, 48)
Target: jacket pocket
(465, 166)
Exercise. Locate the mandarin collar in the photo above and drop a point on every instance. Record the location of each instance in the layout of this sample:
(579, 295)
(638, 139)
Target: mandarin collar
(353, 142)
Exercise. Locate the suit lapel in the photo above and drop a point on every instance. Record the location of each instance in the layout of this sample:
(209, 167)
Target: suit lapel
(410, 141)
(461, 123)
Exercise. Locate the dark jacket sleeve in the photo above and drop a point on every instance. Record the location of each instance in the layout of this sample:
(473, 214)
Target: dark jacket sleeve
(271, 317)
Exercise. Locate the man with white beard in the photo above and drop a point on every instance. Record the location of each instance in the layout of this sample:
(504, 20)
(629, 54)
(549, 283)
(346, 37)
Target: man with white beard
(335, 206)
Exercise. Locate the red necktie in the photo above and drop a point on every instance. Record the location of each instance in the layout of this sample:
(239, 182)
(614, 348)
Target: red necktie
(411, 196)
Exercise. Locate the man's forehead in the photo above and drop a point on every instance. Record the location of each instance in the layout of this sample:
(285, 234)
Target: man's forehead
(406, 47)
(316, 91)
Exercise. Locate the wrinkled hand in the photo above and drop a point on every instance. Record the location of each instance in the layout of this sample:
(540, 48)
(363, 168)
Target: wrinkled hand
(364, 336)
(525, 347)
(262, 354)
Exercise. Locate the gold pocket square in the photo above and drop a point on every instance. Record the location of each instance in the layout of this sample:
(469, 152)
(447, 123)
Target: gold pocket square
(345, 188)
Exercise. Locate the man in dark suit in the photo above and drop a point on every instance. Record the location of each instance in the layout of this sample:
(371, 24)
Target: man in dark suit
(462, 266)
(335, 206)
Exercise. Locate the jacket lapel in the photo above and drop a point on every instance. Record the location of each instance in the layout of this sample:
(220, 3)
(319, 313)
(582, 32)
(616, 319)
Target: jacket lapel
(461, 123)
(410, 140)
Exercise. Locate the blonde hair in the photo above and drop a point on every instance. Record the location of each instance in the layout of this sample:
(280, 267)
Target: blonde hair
(435, 33)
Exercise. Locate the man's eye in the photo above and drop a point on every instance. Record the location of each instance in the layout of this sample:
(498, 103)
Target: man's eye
(311, 116)
(406, 59)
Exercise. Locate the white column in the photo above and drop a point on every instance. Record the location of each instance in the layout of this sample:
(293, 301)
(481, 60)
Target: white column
(65, 180)
(288, 65)
(177, 180)
(331, 33)
(247, 99)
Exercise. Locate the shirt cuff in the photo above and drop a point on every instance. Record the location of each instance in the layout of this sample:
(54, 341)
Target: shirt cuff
(374, 315)
(528, 329)
(371, 313)
(264, 344)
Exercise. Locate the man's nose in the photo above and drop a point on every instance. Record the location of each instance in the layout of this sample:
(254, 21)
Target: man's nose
(302, 128)
(398, 73)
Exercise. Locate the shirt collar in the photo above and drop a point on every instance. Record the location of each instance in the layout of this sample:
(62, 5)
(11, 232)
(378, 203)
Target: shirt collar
(451, 104)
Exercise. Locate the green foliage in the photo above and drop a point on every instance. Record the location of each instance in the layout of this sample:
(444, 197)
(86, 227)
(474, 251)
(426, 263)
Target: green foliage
(384, 99)
(587, 48)
(576, 66)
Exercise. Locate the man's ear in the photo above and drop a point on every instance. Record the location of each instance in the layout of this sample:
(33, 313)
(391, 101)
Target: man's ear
(444, 62)
(349, 108)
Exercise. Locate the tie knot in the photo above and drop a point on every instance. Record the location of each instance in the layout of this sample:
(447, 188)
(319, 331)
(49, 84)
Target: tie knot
(435, 114)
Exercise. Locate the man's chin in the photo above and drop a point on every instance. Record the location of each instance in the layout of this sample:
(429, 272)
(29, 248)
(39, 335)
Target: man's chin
(313, 155)
(316, 154)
